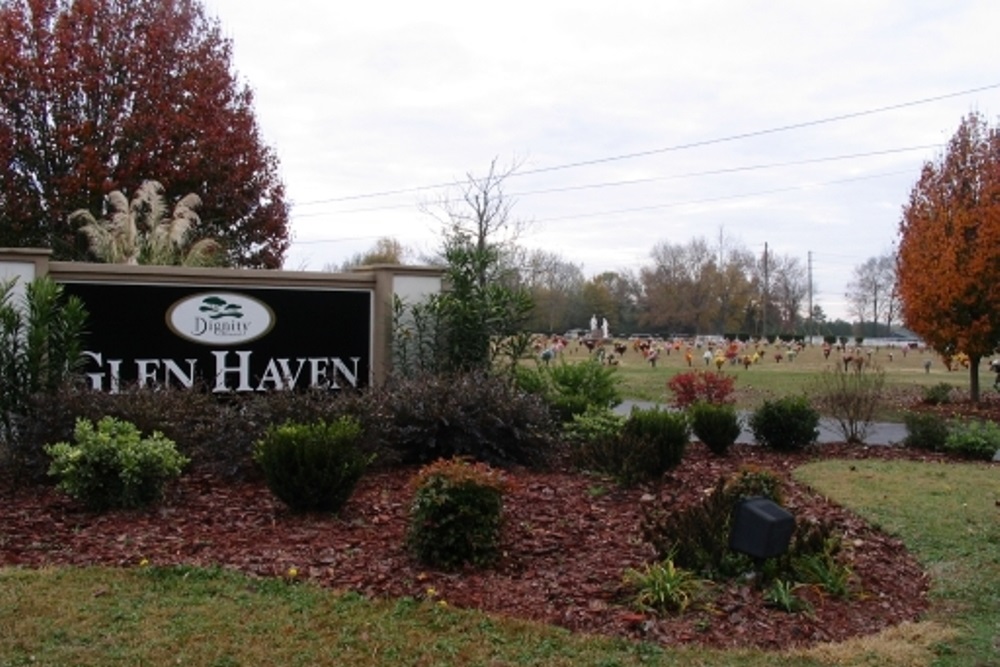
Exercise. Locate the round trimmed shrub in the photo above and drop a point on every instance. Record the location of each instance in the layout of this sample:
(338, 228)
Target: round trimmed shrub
(659, 439)
(925, 430)
(313, 467)
(786, 424)
(718, 426)
(456, 514)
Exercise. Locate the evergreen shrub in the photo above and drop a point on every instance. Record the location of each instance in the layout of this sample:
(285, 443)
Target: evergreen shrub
(925, 430)
(456, 514)
(718, 426)
(785, 424)
(313, 467)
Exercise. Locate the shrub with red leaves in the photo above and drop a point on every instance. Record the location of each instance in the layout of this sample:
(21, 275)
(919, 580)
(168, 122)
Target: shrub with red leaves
(694, 386)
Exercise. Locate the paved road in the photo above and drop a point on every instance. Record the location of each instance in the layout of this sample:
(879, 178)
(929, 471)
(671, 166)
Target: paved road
(882, 433)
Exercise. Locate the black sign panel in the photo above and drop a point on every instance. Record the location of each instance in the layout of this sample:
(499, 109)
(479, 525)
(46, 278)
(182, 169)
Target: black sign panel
(225, 338)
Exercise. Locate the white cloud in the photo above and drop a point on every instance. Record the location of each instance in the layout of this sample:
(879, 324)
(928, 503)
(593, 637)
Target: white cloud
(360, 98)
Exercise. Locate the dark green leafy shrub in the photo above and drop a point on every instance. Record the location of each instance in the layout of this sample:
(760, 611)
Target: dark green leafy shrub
(113, 466)
(475, 415)
(313, 467)
(938, 394)
(660, 438)
(785, 424)
(718, 426)
(750, 481)
(974, 439)
(925, 430)
(456, 515)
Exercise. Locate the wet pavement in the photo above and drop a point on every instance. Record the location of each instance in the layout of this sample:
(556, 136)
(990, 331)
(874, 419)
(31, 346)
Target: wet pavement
(879, 433)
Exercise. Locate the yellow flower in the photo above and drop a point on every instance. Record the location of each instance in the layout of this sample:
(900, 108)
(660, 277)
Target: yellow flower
(431, 592)
(442, 603)
(144, 562)
(293, 572)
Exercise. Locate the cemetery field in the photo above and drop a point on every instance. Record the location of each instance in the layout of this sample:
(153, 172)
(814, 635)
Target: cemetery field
(906, 375)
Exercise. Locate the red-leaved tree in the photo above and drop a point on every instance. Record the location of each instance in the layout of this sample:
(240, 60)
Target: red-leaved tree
(949, 248)
(101, 95)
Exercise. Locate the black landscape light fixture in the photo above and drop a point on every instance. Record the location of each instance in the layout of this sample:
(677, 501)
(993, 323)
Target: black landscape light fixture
(761, 528)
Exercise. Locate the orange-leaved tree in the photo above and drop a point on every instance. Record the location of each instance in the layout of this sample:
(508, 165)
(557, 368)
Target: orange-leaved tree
(949, 250)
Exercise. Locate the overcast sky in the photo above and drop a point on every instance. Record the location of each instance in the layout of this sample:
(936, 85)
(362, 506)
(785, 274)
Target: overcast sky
(797, 124)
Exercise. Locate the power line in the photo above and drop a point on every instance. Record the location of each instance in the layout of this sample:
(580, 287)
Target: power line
(676, 147)
(663, 206)
(652, 179)
(710, 200)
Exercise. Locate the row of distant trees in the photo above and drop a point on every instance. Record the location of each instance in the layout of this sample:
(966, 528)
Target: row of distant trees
(97, 97)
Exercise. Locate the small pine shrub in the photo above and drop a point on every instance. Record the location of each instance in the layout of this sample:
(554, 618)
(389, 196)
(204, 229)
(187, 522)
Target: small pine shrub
(938, 394)
(662, 587)
(925, 431)
(113, 466)
(312, 467)
(785, 424)
(662, 436)
(692, 387)
(599, 445)
(974, 439)
(718, 426)
(456, 514)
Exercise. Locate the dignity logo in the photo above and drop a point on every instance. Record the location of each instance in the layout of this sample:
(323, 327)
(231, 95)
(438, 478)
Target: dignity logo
(220, 318)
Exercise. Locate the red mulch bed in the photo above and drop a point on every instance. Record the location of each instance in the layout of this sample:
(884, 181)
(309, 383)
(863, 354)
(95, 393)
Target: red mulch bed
(568, 539)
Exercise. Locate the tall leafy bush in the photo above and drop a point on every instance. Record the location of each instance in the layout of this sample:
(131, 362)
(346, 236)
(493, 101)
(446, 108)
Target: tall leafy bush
(41, 347)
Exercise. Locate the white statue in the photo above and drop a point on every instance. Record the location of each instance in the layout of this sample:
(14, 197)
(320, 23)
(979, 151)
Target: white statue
(593, 323)
(604, 328)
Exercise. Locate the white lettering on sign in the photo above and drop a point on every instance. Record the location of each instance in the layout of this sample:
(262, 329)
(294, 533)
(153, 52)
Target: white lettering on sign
(232, 372)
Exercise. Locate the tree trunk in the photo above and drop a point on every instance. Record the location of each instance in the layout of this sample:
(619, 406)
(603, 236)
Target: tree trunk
(974, 377)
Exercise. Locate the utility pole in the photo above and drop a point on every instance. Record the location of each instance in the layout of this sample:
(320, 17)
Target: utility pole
(809, 318)
(763, 332)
